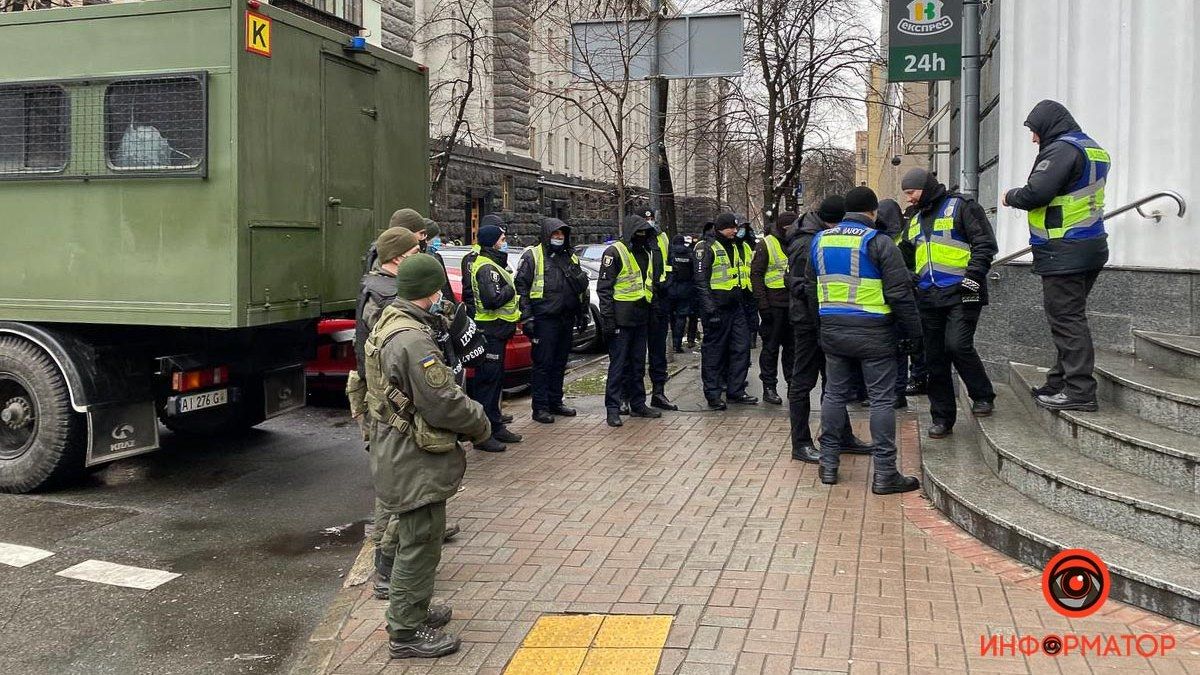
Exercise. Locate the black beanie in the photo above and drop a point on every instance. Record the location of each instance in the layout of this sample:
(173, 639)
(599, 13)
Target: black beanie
(832, 209)
(861, 199)
(726, 221)
(914, 179)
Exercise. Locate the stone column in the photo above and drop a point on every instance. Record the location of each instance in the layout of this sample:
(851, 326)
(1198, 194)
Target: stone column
(511, 95)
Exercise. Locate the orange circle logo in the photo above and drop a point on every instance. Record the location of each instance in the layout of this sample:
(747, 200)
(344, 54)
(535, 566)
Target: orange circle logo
(1075, 583)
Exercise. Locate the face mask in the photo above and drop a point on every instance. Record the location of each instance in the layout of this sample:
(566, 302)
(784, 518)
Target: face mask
(504, 247)
(435, 243)
(557, 243)
(438, 306)
(741, 233)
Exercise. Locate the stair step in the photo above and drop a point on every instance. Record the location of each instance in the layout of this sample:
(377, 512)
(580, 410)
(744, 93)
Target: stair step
(962, 486)
(1154, 394)
(1049, 472)
(1117, 438)
(1179, 354)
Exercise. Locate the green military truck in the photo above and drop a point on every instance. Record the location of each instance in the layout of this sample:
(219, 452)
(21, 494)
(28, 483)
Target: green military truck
(186, 187)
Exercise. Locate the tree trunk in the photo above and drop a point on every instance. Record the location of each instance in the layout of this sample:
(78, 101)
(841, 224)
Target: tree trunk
(667, 218)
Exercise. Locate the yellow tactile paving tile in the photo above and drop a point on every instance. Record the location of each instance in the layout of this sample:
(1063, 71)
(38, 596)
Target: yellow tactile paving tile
(634, 631)
(546, 661)
(621, 662)
(564, 631)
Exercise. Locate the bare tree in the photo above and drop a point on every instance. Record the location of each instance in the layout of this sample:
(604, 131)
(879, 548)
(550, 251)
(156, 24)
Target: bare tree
(827, 171)
(600, 99)
(463, 29)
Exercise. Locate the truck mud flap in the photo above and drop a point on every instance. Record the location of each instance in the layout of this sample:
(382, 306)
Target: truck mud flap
(121, 430)
(284, 390)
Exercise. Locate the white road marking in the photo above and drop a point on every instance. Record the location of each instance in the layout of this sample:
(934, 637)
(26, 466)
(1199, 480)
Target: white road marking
(103, 572)
(16, 555)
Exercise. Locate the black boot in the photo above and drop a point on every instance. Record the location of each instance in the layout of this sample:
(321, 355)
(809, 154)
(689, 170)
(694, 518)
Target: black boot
(856, 446)
(659, 399)
(381, 580)
(828, 476)
(744, 399)
(614, 418)
(646, 412)
(543, 417)
(770, 395)
(451, 532)
(716, 404)
(624, 409)
(439, 615)
(563, 411)
(893, 483)
(807, 452)
(422, 643)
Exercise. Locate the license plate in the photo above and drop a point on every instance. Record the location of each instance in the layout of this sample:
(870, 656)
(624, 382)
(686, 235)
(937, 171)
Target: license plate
(208, 399)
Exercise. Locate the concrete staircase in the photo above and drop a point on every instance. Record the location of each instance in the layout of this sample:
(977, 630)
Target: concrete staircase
(1123, 482)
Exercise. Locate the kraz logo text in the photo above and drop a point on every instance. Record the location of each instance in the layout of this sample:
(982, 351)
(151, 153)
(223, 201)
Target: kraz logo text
(122, 433)
(925, 18)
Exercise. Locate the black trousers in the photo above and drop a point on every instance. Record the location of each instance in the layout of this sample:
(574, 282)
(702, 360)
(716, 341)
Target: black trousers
(681, 312)
(950, 340)
(626, 368)
(809, 363)
(776, 331)
(487, 385)
(725, 353)
(551, 341)
(1065, 300)
(656, 341)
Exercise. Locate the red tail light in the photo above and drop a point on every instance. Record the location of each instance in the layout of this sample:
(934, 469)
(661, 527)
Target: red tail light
(199, 379)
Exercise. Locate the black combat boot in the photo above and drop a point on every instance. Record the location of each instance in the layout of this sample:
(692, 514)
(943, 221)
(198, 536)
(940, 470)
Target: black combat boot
(893, 483)
(645, 411)
(770, 395)
(422, 643)
(451, 532)
(807, 452)
(543, 417)
(563, 411)
(439, 615)
(744, 399)
(828, 476)
(614, 418)
(381, 580)
(658, 399)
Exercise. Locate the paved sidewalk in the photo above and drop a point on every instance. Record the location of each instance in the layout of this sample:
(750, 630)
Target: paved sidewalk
(705, 517)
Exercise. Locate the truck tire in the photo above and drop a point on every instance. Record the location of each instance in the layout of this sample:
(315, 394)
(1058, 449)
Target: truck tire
(42, 439)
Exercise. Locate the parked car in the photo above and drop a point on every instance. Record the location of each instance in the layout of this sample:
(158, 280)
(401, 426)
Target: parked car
(335, 337)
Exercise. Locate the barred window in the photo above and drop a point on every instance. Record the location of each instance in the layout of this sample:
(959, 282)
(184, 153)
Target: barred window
(35, 129)
(156, 124)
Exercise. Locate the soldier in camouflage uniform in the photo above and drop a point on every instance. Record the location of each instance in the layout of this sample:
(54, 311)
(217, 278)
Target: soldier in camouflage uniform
(417, 418)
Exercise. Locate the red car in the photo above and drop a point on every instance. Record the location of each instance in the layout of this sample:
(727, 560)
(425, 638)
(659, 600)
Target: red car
(335, 342)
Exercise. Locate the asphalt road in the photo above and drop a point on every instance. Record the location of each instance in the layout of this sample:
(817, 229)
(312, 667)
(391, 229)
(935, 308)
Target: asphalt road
(241, 521)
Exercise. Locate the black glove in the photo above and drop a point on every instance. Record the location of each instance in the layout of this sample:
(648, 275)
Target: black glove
(911, 346)
(970, 290)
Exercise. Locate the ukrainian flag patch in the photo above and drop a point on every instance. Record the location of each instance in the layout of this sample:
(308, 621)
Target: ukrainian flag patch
(428, 361)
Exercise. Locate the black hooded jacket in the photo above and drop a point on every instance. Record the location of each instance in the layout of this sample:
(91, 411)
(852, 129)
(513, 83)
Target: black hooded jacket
(615, 314)
(681, 269)
(802, 307)
(713, 301)
(889, 220)
(1057, 167)
(875, 336)
(971, 223)
(565, 286)
(494, 292)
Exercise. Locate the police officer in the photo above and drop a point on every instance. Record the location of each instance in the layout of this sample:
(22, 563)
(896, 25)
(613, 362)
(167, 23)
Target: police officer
(949, 246)
(660, 322)
(554, 297)
(747, 241)
(809, 360)
(768, 278)
(720, 267)
(1065, 200)
(682, 290)
(418, 415)
(628, 270)
(862, 288)
(496, 310)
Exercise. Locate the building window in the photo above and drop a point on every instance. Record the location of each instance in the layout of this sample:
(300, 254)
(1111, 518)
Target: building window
(533, 141)
(566, 154)
(155, 124)
(550, 149)
(506, 190)
(35, 123)
(583, 158)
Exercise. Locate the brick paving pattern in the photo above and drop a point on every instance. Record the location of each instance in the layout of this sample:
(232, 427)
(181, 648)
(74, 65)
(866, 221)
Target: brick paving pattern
(707, 518)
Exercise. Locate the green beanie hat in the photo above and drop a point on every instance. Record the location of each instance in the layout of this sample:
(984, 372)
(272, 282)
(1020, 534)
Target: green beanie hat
(431, 229)
(419, 277)
(407, 218)
(394, 242)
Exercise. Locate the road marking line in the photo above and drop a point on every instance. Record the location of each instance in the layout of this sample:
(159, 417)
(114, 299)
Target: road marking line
(15, 555)
(102, 572)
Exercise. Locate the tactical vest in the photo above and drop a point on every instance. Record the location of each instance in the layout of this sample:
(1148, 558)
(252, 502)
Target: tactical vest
(511, 311)
(942, 256)
(777, 263)
(664, 245)
(848, 282)
(1078, 214)
(538, 289)
(631, 286)
(386, 403)
(726, 274)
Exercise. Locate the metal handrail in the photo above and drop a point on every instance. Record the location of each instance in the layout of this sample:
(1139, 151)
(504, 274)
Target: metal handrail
(1135, 205)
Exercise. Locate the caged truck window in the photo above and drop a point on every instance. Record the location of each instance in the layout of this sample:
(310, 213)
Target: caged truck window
(35, 123)
(155, 124)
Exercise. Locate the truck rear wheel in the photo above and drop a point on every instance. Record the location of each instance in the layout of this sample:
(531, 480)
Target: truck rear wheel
(42, 439)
